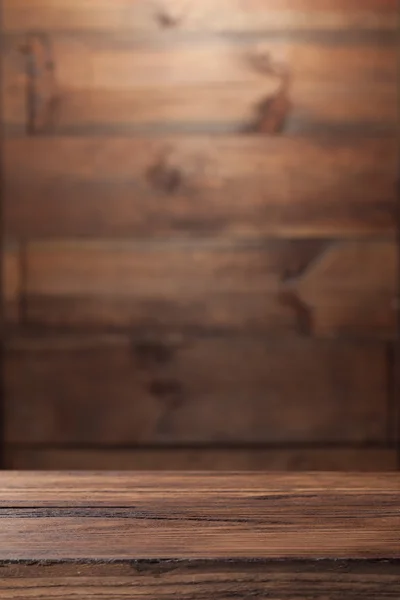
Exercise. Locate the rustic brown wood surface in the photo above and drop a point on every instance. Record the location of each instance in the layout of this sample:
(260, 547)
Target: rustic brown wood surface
(199, 516)
(190, 15)
(199, 535)
(120, 390)
(215, 183)
(178, 82)
(196, 580)
(215, 109)
(200, 186)
(315, 288)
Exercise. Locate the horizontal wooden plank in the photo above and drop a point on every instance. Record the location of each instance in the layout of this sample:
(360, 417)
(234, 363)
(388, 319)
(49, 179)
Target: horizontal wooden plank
(216, 15)
(321, 289)
(317, 459)
(217, 109)
(166, 580)
(24, 489)
(236, 186)
(194, 582)
(12, 284)
(111, 83)
(204, 516)
(163, 286)
(116, 61)
(183, 390)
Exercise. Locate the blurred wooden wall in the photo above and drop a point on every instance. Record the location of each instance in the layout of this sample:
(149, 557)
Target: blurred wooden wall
(200, 264)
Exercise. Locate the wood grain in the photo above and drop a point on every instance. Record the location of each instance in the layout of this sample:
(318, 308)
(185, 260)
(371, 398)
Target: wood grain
(196, 580)
(12, 284)
(24, 489)
(14, 109)
(222, 108)
(191, 186)
(109, 60)
(165, 286)
(322, 289)
(188, 390)
(210, 459)
(142, 16)
(108, 83)
(198, 516)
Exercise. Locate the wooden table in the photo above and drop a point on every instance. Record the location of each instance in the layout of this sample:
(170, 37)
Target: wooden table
(199, 536)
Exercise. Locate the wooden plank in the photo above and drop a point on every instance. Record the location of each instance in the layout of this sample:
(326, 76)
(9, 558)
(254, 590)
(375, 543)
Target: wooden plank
(24, 489)
(13, 97)
(217, 109)
(210, 15)
(116, 61)
(321, 289)
(210, 459)
(183, 390)
(152, 287)
(195, 517)
(12, 282)
(113, 83)
(236, 186)
(191, 580)
(109, 84)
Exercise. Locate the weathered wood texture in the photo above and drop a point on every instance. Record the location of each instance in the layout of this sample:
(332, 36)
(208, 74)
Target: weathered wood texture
(185, 83)
(192, 186)
(204, 516)
(196, 580)
(190, 390)
(210, 459)
(317, 288)
(214, 182)
(141, 16)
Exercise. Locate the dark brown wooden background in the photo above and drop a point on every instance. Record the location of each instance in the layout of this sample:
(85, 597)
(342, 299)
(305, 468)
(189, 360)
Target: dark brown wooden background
(200, 259)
